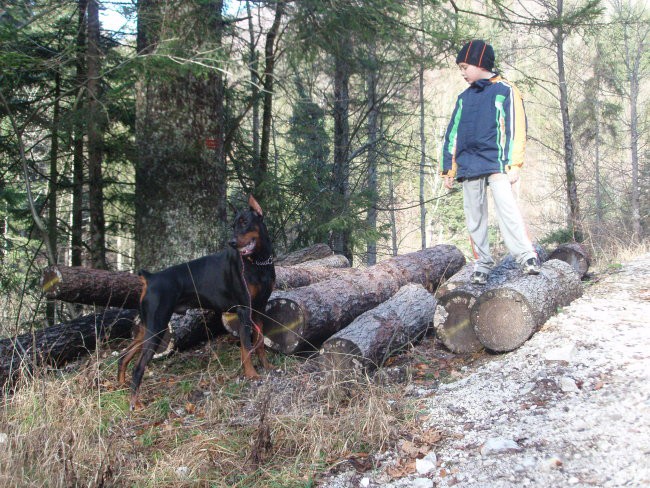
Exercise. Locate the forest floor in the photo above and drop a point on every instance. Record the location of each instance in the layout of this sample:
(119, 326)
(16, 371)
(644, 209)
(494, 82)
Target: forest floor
(570, 408)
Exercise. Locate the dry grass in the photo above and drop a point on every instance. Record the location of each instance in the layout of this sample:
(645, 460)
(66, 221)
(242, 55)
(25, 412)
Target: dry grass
(202, 425)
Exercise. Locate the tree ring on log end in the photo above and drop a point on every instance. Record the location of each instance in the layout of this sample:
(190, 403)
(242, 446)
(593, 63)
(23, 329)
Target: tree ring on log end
(452, 323)
(503, 319)
(282, 317)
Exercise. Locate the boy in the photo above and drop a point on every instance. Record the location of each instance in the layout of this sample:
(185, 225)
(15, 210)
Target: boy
(484, 145)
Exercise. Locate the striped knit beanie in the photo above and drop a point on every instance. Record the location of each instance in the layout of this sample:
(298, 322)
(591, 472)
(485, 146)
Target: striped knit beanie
(478, 53)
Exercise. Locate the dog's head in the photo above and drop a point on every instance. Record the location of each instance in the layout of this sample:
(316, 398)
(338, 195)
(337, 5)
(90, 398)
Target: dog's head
(249, 231)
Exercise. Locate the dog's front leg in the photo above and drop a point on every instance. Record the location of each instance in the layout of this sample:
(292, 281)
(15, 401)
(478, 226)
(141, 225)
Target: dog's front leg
(245, 333)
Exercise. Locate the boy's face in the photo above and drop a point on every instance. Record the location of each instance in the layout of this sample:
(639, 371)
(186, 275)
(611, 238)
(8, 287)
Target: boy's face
(473, 73)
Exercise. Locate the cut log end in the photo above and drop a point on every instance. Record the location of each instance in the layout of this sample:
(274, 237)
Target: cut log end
(574, 254)
(453, 325)
(503, 320)
(284, 322)
(50, 281)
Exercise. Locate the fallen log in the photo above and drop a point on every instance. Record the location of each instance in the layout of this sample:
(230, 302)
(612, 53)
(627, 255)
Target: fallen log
(457, 295)
(506, 316)
(317, 251)
(451, 320)
(76, 284)
(333, 261)
(61, 343)
(56, 345)
(303, 318)
(377, 334)
(575, 254)
(88, 286)
(288, 277)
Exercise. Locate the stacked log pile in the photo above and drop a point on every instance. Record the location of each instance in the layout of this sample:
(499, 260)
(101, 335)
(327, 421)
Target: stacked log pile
(303, 318)
(358, 314)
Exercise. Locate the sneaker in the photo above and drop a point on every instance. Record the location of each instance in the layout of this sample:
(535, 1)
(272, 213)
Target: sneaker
(478, 278)
(532, 266)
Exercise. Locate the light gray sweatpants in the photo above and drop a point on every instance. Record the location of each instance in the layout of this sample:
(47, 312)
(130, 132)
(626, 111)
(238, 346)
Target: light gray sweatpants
(510, 220)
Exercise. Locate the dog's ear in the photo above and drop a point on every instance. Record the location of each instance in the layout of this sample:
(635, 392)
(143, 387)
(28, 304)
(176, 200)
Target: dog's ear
(255, 207)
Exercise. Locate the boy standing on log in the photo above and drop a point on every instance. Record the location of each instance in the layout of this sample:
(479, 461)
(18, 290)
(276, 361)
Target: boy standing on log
(484, 146)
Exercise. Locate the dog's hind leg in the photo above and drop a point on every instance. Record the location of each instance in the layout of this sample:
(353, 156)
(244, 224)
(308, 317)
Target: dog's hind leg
(134, 348)
(154, 331)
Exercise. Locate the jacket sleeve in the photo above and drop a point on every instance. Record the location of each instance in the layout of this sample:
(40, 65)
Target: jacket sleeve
(515, 129)
(448, 161)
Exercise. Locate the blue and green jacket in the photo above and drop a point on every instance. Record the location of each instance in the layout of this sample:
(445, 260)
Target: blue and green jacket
(487, 131)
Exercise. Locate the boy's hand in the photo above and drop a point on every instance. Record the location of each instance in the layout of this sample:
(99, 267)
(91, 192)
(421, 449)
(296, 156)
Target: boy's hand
(513, 174)
(449, 182)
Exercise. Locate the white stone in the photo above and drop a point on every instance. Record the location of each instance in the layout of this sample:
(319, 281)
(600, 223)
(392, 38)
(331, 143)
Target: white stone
(564, 353)
(568, 385)
(422, 483)
(427, 464)
(498, 445)
(4, 438)
(365, 482)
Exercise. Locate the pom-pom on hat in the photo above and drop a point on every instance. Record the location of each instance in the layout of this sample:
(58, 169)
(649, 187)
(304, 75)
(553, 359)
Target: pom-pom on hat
(477, 52)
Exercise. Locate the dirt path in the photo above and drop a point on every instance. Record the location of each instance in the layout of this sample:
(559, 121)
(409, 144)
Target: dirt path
(570, 408)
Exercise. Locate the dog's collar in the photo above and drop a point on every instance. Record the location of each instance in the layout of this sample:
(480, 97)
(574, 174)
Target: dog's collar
(268, 262)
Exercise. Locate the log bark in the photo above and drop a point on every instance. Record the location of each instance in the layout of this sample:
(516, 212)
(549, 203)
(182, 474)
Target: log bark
(377, 334)
(288, 277)
(575, 254)
(303, 318)
(457, 295)
(506, 316)
(186, 330)
(61, 343)
(317, 251)
(58, 344)
(89, 286)
(333, 261)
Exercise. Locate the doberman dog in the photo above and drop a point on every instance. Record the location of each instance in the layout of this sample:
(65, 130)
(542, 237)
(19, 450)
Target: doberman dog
(240, 277)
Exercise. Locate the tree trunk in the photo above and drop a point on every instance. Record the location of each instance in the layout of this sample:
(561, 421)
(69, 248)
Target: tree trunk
(305, 317)
(253, 62)
(53, 190)
(574, 254)
(316, 251)
(423, 147)
(58, 344)
(95, 142)
(372, 163)
(103, 288)
(341, 170)
(569, 158)
(76, 237)
(505, 317)
(267, 112)
(381, 332)
(181, 167)
(90, 286)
